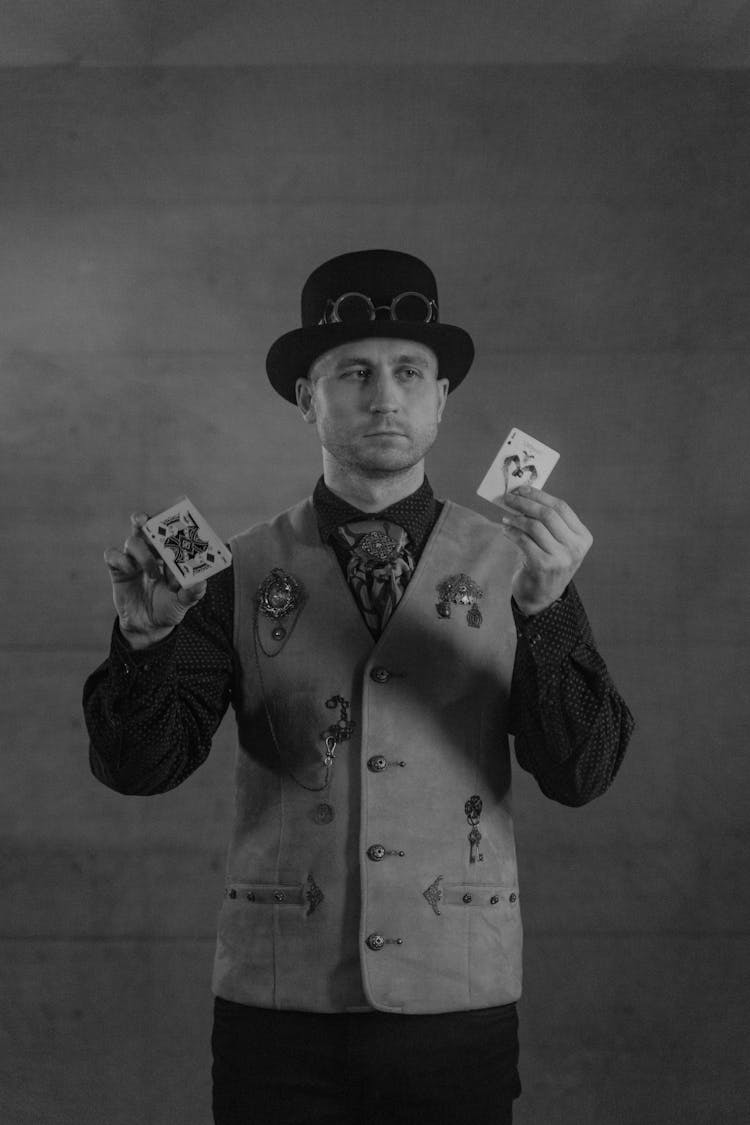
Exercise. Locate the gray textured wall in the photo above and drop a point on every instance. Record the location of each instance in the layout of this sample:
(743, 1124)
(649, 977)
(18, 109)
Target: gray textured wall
(590, 227)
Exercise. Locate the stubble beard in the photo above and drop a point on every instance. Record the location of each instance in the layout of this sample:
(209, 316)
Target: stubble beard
(380, 465)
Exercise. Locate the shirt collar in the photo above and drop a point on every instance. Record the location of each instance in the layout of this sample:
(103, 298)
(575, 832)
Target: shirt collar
(415, 513)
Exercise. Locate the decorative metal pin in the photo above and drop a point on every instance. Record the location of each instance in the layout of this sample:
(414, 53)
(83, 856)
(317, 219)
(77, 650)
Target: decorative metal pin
(473, 810)
(378, 545)
(434, 893)
(460, 589)
(278, 594)
(313, 894)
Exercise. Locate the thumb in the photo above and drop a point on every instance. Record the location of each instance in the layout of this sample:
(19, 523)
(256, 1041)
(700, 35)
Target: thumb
(192, 594)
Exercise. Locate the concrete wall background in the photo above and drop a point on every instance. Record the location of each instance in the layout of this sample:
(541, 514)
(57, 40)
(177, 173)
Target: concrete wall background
(590, 227)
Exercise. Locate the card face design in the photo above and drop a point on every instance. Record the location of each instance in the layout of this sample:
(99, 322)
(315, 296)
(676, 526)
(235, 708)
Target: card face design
(521, 460)
(187, 543)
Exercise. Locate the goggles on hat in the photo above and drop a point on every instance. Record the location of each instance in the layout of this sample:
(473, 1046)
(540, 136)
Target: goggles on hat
(358, 308)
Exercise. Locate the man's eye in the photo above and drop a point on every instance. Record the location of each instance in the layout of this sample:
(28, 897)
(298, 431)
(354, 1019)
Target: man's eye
(357, 373)
(411, 373)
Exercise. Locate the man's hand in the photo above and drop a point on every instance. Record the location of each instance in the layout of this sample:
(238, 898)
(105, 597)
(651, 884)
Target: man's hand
(553, 543)
(148, 600)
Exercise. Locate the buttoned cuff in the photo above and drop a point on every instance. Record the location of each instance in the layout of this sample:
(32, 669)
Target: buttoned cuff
(555, 632)
(130, 666)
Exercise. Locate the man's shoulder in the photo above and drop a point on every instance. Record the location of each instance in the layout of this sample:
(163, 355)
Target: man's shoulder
(468, 518)
(295, 522)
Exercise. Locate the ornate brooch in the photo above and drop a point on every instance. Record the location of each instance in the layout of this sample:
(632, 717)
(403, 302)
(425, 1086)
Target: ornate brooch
(378, 545)
(461, 590)
(278, 594)
(434, 894)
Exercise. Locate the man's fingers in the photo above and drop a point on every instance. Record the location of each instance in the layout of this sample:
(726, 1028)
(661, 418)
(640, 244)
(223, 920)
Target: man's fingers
(137, 546)
(528, 512)
(533, 530)
(122, 567)
(563, 510)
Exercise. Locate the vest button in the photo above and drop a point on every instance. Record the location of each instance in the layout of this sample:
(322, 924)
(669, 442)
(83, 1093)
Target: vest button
(467, 898)
(512, 898)
(375, 942)
(494, 900)
(279, 896)
(375, 852)
(380, 675)
(278, 633)
(377, 763)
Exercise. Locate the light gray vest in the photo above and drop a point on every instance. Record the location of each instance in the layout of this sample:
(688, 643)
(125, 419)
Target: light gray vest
(354, 884)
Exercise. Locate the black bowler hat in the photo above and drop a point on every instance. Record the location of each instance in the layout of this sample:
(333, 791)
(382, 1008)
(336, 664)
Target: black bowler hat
(364, 294)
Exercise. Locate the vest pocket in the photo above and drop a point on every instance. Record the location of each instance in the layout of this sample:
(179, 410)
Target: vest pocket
(266, 894)
(490, 896)
(307, 894)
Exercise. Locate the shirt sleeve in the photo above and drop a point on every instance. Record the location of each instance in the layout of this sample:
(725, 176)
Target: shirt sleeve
(571, 725)
(151, 713)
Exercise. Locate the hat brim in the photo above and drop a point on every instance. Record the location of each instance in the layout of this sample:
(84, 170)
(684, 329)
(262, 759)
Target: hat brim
(293, 354)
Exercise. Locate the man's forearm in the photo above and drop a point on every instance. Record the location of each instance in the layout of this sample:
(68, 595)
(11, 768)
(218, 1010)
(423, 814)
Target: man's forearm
(151, 713)
(571, 725)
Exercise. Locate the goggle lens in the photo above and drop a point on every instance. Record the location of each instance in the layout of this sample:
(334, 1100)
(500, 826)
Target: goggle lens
(354, 308)
(413, 308)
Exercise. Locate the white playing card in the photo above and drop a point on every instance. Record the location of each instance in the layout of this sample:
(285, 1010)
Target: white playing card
(521, 460)
(189, 546)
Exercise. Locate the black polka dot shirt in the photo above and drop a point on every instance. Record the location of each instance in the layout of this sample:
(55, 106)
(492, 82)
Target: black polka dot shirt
(151, 713)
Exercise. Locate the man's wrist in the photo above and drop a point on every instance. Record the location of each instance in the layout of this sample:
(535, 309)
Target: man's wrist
(139, 640)
(527, 609)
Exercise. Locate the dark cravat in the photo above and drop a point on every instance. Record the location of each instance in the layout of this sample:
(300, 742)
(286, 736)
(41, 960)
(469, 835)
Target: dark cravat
(379, 568)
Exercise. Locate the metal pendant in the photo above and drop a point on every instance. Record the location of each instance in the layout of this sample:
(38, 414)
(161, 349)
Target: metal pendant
(323, 813)
(278, 594)
(460, 589)
(474, 616)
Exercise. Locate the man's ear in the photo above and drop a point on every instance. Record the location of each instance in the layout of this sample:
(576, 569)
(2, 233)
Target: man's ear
(304, 392)
(442, 386)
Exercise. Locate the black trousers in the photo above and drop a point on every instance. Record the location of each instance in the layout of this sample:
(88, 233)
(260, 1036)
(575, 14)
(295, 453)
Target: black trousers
(371, 1068)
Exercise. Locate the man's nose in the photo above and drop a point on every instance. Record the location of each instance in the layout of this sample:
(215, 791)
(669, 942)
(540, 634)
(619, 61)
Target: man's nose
(384, 397)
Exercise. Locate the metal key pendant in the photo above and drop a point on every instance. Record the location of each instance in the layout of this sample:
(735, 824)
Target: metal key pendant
(331, 743)
(473, 810)
(474, 837)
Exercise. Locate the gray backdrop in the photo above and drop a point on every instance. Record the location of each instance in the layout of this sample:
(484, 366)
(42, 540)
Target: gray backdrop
(588, 224)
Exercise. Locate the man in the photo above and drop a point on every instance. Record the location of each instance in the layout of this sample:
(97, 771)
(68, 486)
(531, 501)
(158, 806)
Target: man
(378, 646)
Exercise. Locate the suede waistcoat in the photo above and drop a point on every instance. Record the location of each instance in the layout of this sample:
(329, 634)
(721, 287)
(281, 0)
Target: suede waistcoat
(354, 884)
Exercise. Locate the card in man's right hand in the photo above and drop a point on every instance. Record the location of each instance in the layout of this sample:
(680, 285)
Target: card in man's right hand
(187, 543)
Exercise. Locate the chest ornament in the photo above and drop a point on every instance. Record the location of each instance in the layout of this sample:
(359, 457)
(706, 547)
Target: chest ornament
(278, 594)
(460, 589)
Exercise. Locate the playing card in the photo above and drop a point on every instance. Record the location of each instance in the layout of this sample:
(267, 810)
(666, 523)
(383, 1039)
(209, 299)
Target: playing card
(189, 546)
(521, 460)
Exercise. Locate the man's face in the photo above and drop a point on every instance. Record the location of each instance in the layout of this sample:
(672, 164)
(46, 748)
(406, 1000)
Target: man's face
(376, 404)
